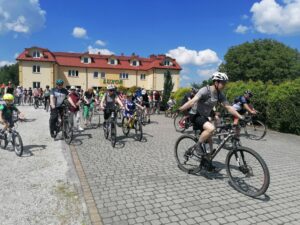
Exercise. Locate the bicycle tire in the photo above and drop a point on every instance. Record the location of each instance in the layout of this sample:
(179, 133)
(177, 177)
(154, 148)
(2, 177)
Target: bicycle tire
(18, 147)
(67, 131)
(3, 141)
(248, 171)
(125, 128)
(138, 130)
(35, 105)
(113, 134)
(176, 123)
(187, 155)
(255, 130)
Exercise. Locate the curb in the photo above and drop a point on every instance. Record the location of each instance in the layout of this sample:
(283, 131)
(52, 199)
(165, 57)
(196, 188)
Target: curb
(87, 194)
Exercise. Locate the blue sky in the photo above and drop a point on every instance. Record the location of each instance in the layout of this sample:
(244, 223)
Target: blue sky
(196, 33)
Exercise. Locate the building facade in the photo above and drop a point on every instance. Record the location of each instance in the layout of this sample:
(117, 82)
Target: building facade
(39, 67)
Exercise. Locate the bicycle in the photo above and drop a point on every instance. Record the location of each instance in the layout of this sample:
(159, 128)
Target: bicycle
(237, 163)
(11, 135)
(110, 128)
(135, 124)
(47, 104)
(65, 124)
(182, 122)
(38, 101)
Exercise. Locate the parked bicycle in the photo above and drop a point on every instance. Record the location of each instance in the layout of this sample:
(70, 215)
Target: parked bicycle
(110, 128)
(11, 135)
(135, 123)
(247, 171)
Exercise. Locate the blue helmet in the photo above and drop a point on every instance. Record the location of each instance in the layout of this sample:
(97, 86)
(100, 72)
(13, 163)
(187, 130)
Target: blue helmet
(59, 82)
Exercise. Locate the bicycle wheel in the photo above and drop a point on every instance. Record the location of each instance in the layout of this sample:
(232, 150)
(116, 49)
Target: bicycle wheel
(67, 131)
(125, 127)
(186, 160)
(35, 105)
(247, 171)
(179, 123)
(17, 144)
(138, 130)
(3, 141)
(119, 118)
(255, 130)
(113, 134)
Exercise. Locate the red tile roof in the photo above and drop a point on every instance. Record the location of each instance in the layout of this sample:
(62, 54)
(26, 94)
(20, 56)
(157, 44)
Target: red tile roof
(100, 61)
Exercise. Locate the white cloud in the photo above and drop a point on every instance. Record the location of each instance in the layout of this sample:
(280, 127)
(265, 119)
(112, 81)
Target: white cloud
(16, 55)
(184, 77)
(244, 17)
(100, 43)
(270, 17)
(3, 63)
(206, 73)
(79, 32)
(92, 50)
(186, 56)
(241, 29)
(24, 16)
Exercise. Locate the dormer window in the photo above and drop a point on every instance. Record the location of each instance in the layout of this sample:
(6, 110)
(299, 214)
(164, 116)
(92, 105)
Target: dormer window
(167, 63)
(86, 59)
(113, 61)
(135, 63)
(36, 54)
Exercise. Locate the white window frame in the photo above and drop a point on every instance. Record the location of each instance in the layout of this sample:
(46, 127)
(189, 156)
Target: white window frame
(36, 54)
(102, 75)
(124, 76)
(86, 58)
(73, 73)
(36, 86)
(97, 76)
(36, 69)
(167, 63)
(143, 76)
(115, 62)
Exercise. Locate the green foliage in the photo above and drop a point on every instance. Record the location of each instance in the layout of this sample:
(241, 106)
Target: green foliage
(133, 89)
(203, 84)
(122, 89)
(9, 73)
(263, 60)
(168, 87)
(179, 94)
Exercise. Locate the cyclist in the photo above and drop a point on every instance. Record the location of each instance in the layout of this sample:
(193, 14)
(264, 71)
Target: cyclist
(188, 96)
(156, 101)
(242, 105)
(206, 98)
(74, 100)
(88, 105)
(171, 103)
(109, 101)
(6, 111)
(47, 95)
(145, 102)
(130, 107)
(25, 94)
(57, 97)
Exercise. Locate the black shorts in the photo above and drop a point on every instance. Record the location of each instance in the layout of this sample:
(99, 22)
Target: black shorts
(147, 104)
(199, 121)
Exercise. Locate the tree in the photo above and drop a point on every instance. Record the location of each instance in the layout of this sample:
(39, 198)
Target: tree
(203, 84)
(262, 59)
(168, 87)
(9, 73)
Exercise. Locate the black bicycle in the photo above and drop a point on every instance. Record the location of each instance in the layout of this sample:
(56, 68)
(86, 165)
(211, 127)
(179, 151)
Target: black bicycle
(247, 171)
(65, 124)
(10, 135)
(110, 128)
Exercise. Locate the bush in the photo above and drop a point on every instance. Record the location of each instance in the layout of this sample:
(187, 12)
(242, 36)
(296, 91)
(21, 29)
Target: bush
(178, 96)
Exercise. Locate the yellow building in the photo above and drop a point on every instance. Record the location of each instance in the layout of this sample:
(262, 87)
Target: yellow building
(39, 67)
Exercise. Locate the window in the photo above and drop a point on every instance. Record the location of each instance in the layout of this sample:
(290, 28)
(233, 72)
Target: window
(36, 69)
(96, 74)
(143, 76)
(167, 63)
(86, 60)
(102, 75)
(123, 76)
(113, 62)
(36, 84)
(36, 54)
(73, 73)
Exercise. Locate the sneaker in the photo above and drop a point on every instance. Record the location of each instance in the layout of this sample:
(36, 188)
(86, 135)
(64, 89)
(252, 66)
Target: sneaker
(80, 129)
(52, 133)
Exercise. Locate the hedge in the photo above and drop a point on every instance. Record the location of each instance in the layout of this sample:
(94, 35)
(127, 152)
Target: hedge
(279, 104)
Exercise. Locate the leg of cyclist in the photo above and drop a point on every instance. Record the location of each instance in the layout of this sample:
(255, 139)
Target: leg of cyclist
(91, 112)
(86, 110)
(53, 121)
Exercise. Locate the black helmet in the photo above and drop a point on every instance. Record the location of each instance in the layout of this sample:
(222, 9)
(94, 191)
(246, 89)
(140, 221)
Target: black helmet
(248, 92)
(47, 86)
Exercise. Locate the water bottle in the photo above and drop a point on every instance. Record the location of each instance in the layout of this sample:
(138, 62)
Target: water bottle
(207, 147)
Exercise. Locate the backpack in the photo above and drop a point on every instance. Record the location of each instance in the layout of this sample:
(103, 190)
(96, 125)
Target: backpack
(209, 95)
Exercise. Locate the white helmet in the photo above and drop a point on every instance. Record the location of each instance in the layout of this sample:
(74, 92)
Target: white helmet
(143, 92)
(219, 76)
(110, 87)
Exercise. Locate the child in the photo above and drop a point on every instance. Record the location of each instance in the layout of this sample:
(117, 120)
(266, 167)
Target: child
(130, 107)
(6, 111)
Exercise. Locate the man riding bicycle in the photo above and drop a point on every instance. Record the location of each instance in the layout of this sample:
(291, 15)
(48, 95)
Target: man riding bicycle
(242, 105)
(206, 98)
(57, 97)
(109, 101)
(6, 111)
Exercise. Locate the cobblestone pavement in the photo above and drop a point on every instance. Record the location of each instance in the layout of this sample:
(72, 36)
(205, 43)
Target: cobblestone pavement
(41, 187)
(140, 183)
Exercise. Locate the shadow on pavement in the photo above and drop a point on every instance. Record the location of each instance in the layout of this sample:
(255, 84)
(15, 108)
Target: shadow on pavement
(29, 149)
